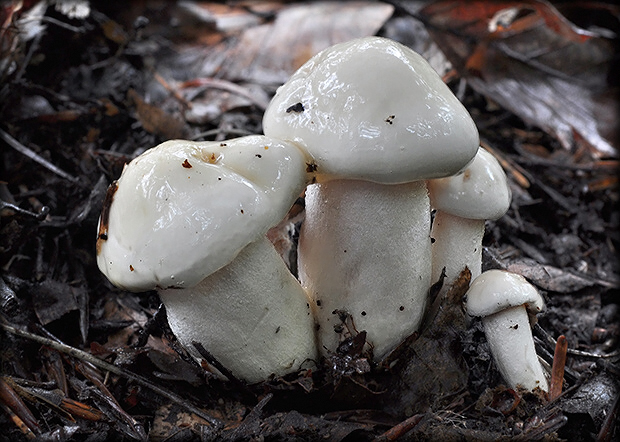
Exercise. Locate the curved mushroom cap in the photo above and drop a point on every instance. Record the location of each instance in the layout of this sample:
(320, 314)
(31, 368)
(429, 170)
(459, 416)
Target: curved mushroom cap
(496, 290)
(183, 209)
(373, 109)
(480, 191)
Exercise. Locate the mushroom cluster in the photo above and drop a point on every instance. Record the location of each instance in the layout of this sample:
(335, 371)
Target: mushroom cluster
(189, 220)
(368, 129)
(377, 121)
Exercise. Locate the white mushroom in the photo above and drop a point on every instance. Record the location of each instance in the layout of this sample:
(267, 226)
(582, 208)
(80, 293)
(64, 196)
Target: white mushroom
(503, 300)
(189, 219)
(377, 121)
(463, 202)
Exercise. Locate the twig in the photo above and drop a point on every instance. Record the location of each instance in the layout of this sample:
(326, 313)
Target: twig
(23, 415)
(220, 367)
(250, 421)
(229, 86)
(586, 354)
(33, 156)
(400, 429)
(607, 429)
(570, 351)
(19, 423)
(38, 216)
(216, 423)
(557, 369)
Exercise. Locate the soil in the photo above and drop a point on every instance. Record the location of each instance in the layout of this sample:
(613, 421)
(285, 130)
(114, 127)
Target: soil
(79, 104)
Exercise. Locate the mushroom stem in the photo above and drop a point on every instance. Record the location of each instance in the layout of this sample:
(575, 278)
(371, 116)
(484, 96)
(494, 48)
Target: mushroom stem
(457, 243)
(364, 248)
(463, 202)
(504, 300)
(518, 363)
(252, 315)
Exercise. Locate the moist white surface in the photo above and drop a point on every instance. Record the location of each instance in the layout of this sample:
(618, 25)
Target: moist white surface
(495, 290)
(479, 191)
(252, 316)
(373, 109)
(512, 346)
(183, 210)
(457, 244)
(364, 248)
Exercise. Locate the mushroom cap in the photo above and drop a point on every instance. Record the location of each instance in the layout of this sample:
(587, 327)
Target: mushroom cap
(479, 191)
(496, 290)
(373, 109)
(184, 209)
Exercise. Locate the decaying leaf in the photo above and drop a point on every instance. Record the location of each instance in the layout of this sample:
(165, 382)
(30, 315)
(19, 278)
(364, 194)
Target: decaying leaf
(526, 56)
(157, 121)
(551, 278)
(52, 300)
(271, 52)
(592, 402)
(172, 422)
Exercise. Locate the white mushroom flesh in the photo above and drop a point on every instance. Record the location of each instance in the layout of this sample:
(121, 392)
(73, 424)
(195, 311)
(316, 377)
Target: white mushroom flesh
(370, 110)
(252, 316)
(457, 243)
(510, 339)
(183, 209)
(479, 191)
(463, 202)
(502, 299)
(364, 249)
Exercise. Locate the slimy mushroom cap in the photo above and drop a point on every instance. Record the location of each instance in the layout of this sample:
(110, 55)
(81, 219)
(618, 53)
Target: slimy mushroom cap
(373, 109)
(183, 210)
(479, 191)
(496, 290)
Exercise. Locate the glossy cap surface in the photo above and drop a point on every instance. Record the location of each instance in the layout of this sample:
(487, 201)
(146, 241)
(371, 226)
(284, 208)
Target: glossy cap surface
(496, 290)
(373, 109)
(183, 209)
(480, 191)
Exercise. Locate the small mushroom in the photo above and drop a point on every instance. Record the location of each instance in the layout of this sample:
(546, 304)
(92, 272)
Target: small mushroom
(463, 202)
(189, 219)
(503, 301)
(376, 121)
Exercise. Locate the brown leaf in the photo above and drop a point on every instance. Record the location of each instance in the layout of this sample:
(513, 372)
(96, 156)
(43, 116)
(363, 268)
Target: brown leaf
(170, 420)
(271, 52)
(156, 121)
(531, 60)
(553, 278)
(52, 300)
(11, 399)
(293, 425)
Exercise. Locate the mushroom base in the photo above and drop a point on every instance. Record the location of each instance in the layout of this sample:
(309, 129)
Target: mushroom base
(364, 249)
(252, 316)
(510, 338)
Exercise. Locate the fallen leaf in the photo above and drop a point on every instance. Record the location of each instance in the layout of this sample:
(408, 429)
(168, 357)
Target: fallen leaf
(431, 370)
(52, 300)
(593, 400)
(552, 278)
(270, 53)
(531, 60)
(156, 121)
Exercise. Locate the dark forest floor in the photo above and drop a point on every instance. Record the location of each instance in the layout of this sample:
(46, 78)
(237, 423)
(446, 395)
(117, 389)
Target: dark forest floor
(86, 95)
